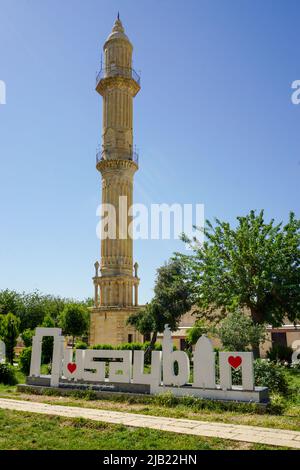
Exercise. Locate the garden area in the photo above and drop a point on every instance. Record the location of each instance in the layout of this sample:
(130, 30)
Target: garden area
(236, 283)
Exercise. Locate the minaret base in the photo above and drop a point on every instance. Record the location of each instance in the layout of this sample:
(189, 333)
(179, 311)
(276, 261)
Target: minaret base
(109, 326)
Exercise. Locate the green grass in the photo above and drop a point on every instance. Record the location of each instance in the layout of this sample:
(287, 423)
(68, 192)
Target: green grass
(179, 411)
(290, 419)
(25, 431)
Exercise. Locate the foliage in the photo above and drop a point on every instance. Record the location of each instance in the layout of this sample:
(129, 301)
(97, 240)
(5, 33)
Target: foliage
(102, 346)
(277, 403)
(25, 359)
(130, 346)
(172, 299)
(9, 333)
(254, 265)
(266, 374)
(81, 345)
(32, 308)
(200, 328)
(280, 353)
(36, 307)
(295, 365)
(27, 336)
(74, 320)
(164, 400)
(10, 302)
(156, 347)
(47, 346)
(238, 331)
(7, 374)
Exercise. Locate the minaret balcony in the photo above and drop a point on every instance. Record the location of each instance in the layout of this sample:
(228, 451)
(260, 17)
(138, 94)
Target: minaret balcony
(107, 155)
(116, 71)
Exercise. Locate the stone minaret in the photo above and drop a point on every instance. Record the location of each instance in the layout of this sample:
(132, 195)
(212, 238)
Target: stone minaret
(116, 278)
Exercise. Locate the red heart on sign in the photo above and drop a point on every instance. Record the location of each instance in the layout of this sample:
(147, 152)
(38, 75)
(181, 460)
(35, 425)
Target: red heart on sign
(71, 367)
(235, 361)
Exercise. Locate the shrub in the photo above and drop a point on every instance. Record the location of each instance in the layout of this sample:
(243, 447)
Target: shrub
(102, 346)
(27, 337)
(130, 346)
(266, 374)
(200, 328)
(81, 345)
(295, 365)
(281, 353)
(277, 404)
(237, 332)
(24, 360)
(7, 374)
(166, 399)
(157, 346)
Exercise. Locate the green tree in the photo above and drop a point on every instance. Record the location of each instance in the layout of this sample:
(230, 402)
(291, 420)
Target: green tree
(198, 329)
(172, 299)
(9, 333)
(10, 302)
(74, 320)
(254, 266)
(32, 308)
(238, 331)
(27, 336)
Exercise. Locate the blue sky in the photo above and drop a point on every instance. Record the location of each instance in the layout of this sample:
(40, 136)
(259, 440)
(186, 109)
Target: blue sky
(214, 124)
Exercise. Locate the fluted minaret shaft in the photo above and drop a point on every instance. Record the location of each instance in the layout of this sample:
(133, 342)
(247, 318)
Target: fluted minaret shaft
(117, 84)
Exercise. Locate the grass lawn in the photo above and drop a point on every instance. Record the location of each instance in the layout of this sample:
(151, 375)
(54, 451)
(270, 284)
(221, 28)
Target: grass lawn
(25, 431)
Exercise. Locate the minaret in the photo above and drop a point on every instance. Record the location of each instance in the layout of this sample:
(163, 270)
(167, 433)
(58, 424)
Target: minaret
(116, 285)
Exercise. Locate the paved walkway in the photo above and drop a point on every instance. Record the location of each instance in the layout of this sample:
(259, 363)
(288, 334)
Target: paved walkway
(269, 436)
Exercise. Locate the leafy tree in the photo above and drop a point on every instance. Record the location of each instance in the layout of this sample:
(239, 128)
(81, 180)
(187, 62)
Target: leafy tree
(238, 331)
(172, 299)
(27, 336)
(36, 307)
(74, 320)
(254, 266)
(10, 302)
(9, 333)
(32, 308)
(25, 360)
(198, 329)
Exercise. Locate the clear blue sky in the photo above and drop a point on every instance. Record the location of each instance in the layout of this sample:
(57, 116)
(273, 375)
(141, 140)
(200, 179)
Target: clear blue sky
(214, 124)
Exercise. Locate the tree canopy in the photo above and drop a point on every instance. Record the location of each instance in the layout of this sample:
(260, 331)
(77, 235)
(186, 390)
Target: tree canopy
(238, 332)
(32, 308)
(254, 265)
(74, 320)
(172, 298)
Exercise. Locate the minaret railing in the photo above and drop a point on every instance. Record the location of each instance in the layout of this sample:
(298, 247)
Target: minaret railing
(116, 71)
(101, 155)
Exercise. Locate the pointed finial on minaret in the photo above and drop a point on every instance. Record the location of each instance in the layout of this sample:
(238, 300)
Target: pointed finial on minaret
(118, 27)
